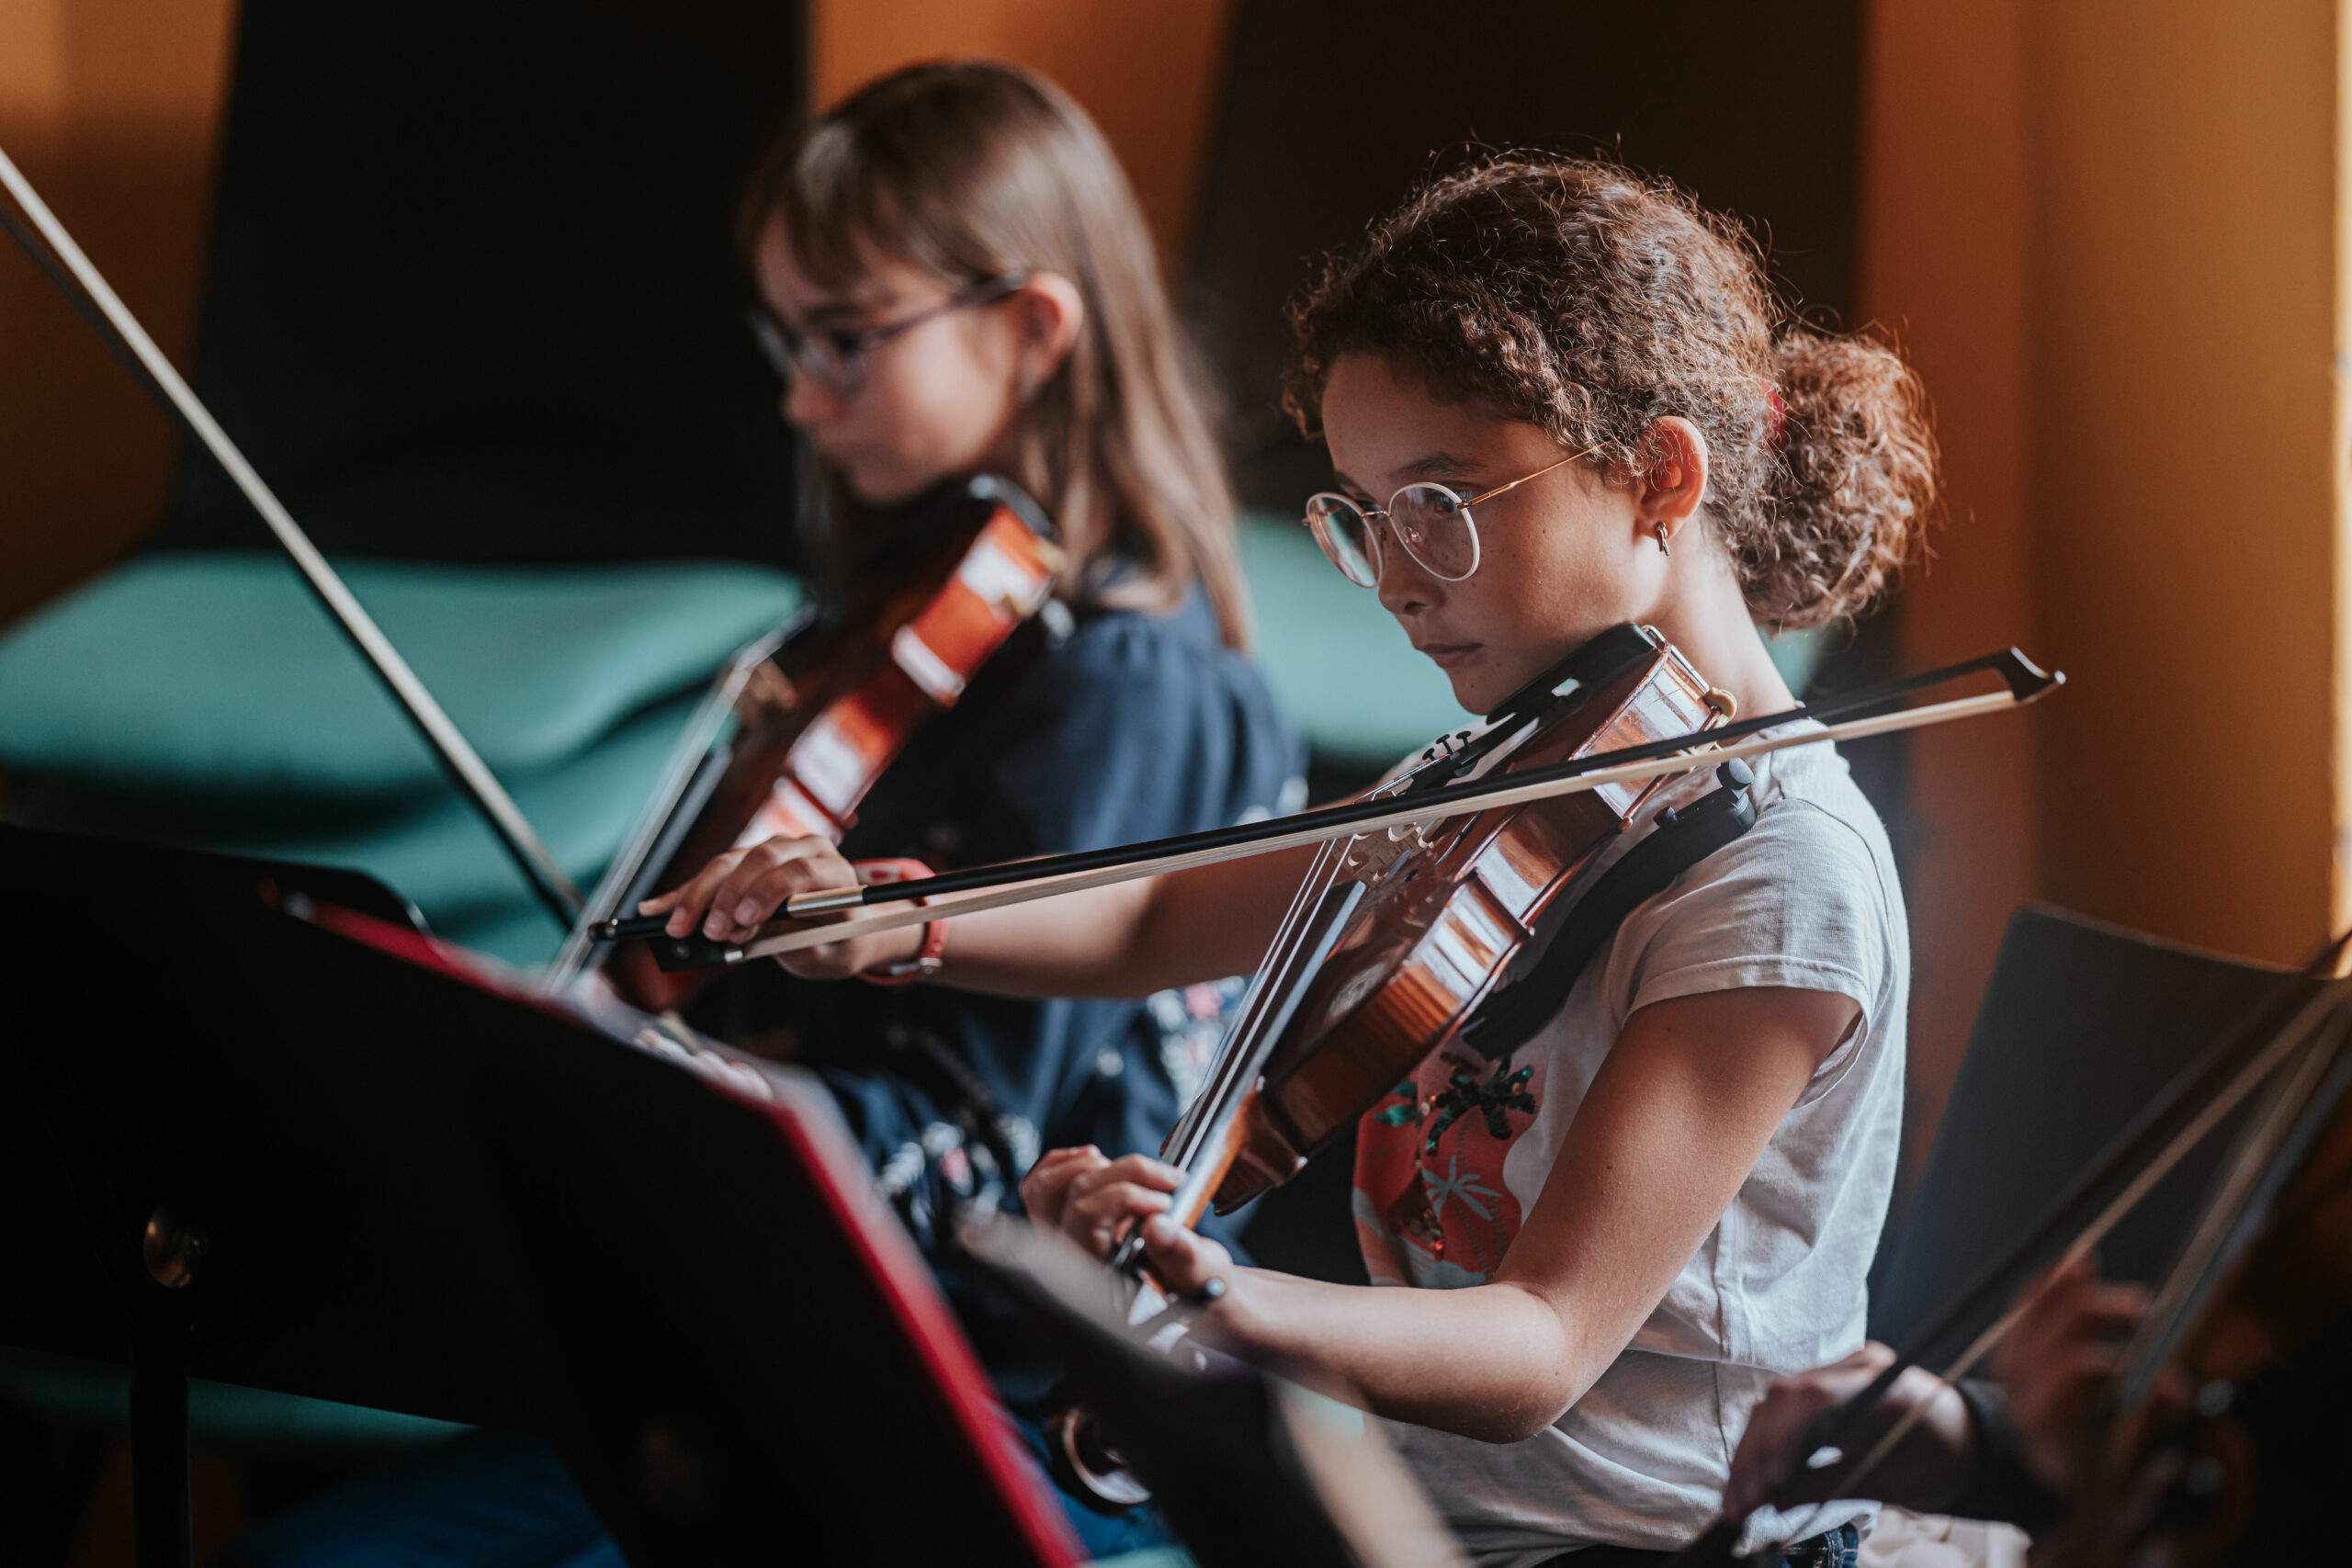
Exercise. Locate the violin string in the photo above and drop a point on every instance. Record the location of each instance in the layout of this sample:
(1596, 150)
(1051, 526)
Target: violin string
(1205, 1110)
(1233, 1049)
(2253, 1178)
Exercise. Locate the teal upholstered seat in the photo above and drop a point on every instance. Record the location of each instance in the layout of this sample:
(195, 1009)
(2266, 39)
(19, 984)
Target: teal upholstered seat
(217, 672)
(89, 1396)
(204, 699)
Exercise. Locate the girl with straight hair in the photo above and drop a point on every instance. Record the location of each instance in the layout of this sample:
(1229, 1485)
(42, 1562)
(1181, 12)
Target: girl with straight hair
(956, 280)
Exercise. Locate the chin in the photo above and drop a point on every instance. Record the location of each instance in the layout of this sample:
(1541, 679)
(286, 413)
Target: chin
(881, 491)
(1471, 690)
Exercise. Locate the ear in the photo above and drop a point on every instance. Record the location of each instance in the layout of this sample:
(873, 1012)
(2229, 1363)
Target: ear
(1675, 486)
(1049, 310)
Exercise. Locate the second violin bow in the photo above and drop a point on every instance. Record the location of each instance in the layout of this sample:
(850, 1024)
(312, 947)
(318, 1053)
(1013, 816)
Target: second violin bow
(96, 301)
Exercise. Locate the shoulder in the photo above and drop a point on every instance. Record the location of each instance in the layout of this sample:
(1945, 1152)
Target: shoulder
(1806, 898)
(1146, 663)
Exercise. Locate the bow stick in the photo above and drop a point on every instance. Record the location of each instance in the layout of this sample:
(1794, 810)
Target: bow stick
(97, 303)
(994, 888)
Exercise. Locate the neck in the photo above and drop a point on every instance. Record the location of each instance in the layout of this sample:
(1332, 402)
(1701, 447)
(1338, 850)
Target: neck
(1702, 611)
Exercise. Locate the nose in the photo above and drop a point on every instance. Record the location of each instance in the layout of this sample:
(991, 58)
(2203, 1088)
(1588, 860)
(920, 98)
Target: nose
(808, 402)
(1403, 588)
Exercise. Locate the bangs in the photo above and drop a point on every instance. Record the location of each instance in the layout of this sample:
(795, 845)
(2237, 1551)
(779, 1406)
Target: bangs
(844, 201)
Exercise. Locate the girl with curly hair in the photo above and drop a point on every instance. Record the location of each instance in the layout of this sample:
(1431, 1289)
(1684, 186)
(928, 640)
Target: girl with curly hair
(1559, 397)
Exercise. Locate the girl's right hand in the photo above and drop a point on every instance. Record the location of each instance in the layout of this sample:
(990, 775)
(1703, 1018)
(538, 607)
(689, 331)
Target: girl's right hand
(1095, 1201)
(739, 892)
(2059, 1359)
(1928, 1465)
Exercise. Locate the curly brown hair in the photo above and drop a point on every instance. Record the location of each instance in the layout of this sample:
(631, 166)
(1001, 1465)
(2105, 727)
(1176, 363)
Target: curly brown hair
(1593, 302)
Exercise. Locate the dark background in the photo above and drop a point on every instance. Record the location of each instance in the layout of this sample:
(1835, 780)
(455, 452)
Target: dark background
(471, 292)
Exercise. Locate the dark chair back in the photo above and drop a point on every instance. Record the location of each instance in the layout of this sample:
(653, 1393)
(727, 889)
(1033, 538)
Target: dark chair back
(471, 292)
(2082, 1025)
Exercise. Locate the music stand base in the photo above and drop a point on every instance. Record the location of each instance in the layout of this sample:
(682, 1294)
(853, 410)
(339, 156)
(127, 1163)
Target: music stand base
(160, 1530)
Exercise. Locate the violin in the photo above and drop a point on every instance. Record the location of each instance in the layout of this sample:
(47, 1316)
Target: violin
(1396, 937)
(819, 713)
(2221, 1437)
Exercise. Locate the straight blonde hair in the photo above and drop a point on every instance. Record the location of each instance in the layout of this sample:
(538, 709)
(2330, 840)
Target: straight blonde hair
(974, 170)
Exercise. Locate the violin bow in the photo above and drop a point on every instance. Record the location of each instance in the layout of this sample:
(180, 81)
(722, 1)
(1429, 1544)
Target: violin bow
(1851, 717)
(2282, 1023)
(63, 263)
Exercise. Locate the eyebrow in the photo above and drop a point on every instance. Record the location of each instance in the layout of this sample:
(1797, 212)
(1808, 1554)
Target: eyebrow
(848, 308)
(1439, 463)
(1418, 469)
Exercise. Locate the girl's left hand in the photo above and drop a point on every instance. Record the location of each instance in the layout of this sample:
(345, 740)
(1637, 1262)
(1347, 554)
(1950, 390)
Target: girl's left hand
(1094, 1200)
(1183, 1259)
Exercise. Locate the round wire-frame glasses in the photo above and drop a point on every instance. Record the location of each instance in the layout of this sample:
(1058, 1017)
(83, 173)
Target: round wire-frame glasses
(1429, 520)
(834, 357)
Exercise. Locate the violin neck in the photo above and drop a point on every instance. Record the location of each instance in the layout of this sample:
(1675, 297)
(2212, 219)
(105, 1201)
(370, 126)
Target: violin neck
(1206, 1136)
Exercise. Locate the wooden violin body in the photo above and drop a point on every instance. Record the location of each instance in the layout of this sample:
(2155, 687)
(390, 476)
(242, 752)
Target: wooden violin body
(818, 714)
(1443, 912)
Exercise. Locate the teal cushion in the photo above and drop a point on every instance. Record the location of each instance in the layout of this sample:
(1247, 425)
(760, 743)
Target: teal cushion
(93, 1395)
(443, 859)
(217, 673)
(206, 700)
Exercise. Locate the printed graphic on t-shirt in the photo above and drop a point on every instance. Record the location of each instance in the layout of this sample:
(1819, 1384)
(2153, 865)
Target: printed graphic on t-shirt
(1431, 1206)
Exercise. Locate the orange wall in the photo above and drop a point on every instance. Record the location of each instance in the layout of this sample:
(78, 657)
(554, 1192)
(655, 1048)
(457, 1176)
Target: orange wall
(1147, 71)
(1944, 265)
(2186, 462)
(2110, 232)
(110, 107)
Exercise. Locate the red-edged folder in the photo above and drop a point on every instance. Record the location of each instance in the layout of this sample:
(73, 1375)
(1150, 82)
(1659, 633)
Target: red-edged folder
(423, 1189)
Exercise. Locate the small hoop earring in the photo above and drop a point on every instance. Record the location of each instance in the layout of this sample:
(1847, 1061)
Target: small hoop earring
(1661, 543)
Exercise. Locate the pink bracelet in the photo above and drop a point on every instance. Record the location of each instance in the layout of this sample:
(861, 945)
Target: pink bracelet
(924, 964)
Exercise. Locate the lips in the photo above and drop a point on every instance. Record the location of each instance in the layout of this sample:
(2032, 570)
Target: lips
(1447, 655)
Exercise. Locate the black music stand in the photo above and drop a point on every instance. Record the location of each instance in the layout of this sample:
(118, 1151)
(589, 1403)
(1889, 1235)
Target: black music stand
(240, 1145)
(2082, 1025)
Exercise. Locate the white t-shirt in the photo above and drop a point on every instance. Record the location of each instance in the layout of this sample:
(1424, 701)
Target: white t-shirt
(1450, 1162)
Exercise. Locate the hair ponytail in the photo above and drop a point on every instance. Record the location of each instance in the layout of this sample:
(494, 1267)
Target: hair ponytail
(1847, 501)
(1582, 298)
